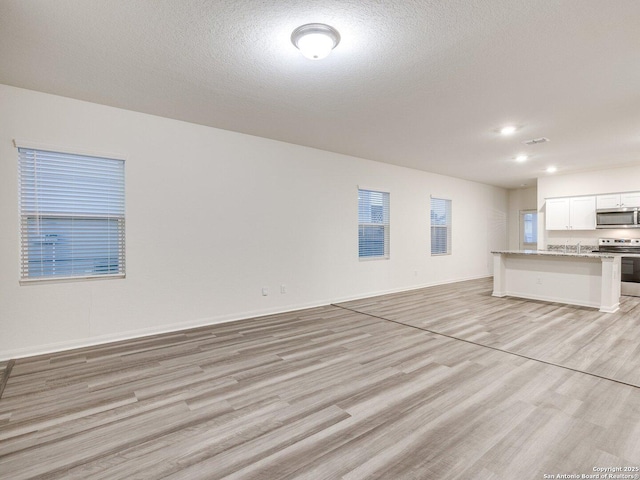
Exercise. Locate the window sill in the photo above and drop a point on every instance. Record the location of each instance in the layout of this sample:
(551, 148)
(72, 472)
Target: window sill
(41, 281)
(369, 259)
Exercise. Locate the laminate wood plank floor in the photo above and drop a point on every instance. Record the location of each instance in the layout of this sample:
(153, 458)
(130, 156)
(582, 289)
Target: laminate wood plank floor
(330, 393)
(580, 338)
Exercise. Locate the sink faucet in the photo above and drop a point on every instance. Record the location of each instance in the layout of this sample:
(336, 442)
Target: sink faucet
(565, 245)
(578, 247)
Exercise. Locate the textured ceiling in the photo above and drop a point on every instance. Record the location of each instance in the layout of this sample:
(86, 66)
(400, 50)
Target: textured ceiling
(424, 84)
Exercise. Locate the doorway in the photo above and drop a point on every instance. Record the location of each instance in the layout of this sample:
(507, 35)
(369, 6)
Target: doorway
(528, 230)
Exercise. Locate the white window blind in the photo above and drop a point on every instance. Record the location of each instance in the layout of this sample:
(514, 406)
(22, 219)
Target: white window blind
(373, 224)
(440, 226)
(72, 215)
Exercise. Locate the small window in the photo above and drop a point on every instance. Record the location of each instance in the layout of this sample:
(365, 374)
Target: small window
(373, 224)
(71, 214)
(528, 229)
(440, 226)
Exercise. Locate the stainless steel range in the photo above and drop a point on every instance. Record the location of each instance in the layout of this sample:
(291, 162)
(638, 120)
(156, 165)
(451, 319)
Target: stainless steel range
(630, 270)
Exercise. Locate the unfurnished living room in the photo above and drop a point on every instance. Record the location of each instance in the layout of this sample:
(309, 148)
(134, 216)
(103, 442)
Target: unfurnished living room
(367, 239)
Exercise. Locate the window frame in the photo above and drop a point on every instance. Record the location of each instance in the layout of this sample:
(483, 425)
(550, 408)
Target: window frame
(52, 219)
(522, 214)
(448, 207)
(385, 224)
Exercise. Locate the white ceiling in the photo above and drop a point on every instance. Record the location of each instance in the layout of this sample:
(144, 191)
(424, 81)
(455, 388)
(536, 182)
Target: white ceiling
(419, 83)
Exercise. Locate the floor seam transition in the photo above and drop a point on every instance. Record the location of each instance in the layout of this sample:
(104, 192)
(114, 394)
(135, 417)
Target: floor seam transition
(5, 375)
(489, 347)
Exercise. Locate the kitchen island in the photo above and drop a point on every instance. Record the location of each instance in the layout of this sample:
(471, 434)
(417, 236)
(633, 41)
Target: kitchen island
(585, 279)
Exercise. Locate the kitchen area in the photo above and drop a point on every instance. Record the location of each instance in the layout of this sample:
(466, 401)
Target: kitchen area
(587, 251)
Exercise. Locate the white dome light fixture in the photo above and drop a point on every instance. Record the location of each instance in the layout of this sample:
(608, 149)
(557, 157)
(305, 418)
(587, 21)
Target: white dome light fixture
(315, 40)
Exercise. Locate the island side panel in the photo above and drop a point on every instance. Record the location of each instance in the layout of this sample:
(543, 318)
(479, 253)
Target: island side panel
(563, 279)
(610, 296)
(499, 287)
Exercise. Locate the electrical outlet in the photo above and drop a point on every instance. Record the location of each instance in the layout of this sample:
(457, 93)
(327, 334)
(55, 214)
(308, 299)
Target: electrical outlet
(283, 289)
(539, 281)
(265, 291)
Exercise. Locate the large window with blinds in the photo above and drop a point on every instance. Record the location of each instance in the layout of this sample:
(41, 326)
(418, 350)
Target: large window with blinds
(440, 226)
(373, 224)
(72, 216)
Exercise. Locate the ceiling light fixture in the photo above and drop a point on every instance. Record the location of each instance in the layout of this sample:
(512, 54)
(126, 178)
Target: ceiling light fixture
(552, 169)
(508, 130)
(522, 158)
(315, 40)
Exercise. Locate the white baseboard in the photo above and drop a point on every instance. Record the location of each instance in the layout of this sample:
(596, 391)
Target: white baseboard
(144, 332)
(567, 301)
(202, 322)
(408, 289)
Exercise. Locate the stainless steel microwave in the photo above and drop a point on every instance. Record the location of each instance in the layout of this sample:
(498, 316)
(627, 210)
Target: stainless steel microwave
(617, 218)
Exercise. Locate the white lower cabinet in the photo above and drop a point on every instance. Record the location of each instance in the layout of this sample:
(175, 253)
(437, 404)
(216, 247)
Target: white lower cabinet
(571, 213)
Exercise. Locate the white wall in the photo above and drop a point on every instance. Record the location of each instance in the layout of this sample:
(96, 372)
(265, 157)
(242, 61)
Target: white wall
(519, 199)
(213, 216)
(610, 180)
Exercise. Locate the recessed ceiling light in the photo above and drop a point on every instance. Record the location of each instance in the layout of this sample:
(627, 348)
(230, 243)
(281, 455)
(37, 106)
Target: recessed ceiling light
(523, 184)
(508, 130)
(552, 169)
(522, 158)
(315, 40)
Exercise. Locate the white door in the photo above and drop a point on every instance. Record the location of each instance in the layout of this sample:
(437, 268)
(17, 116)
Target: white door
(528, 230)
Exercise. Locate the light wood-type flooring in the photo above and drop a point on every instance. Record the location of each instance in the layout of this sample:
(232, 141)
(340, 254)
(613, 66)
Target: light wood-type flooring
(439, 383)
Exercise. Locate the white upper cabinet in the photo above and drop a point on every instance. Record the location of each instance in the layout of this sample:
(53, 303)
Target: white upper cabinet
(582, 213)
(618, 200)
(571, 213)
(557, 214)
(630, 199)
(608, 201)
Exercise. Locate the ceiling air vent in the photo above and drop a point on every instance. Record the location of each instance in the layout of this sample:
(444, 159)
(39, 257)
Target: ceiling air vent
(536, 141)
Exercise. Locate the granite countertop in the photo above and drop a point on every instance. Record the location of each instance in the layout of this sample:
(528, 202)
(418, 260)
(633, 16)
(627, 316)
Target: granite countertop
(563, 254)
